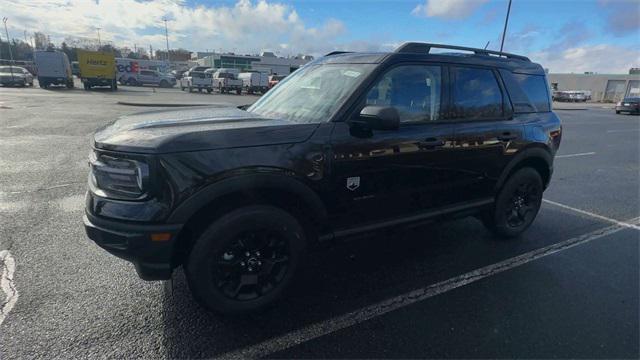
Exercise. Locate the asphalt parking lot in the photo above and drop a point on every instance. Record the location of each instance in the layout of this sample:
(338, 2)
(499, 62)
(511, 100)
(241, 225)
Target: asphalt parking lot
(569, 287)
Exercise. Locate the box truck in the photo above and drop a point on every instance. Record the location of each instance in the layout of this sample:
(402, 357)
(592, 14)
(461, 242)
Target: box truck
(97, 68)
(54, 68)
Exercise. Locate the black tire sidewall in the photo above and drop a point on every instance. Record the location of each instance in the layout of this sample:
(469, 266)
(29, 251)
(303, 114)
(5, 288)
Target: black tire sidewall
(224, 230)
(497, 222)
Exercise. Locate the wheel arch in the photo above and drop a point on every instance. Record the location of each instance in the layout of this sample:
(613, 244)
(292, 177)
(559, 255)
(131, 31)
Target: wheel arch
(283, 191)
(539, 158)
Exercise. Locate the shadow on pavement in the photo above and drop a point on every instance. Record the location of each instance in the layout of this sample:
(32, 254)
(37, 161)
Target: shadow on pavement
(354, 274)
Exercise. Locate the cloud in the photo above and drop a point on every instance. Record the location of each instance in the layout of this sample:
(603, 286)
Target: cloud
(448, 9)
(622, 17)
(603, 58)
(246, 26)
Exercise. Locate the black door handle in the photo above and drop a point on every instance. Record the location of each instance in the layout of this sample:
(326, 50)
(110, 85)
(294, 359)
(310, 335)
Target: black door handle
(507, 136)
(431, 142)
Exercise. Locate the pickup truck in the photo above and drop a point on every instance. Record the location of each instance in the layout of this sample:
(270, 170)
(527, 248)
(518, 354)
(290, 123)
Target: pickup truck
(226, 82)
(197, 78)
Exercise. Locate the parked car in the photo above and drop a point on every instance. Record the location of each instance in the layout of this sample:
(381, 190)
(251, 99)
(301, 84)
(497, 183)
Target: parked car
(197, 78)
(151, 77)
(97, 68)
(570, 96)
(54, 68)
(254, 82)
(225, 82)
(351, 143)
(629, 105)
(275, 79)
(15, 76)
(75, 68)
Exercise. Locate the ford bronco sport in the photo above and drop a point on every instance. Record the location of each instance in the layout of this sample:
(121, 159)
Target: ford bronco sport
(350, 143)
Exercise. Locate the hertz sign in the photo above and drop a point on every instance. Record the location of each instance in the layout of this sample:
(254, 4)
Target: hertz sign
(96, 62)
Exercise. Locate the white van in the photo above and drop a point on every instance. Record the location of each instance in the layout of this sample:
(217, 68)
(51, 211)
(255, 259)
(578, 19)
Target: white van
(253, 82)
(54, 68)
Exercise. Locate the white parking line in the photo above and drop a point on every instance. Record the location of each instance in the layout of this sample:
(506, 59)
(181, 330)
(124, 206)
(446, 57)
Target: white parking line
(355, 317)
(574, 155)
(622, 130)
(8, 266)
(600, 217)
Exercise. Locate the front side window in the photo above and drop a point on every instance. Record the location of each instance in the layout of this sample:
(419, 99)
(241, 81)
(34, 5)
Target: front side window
(476, 94)
(414, 90)
(312, 94)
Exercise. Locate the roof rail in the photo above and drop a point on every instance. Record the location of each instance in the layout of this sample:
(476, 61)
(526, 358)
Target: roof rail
(338, 52)
(418, 47)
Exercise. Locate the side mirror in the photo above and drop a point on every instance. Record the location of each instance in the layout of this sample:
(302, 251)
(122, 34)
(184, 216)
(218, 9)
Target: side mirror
(381, 117)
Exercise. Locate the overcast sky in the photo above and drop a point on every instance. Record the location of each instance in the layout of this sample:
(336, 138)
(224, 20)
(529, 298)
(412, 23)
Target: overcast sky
(563, 35)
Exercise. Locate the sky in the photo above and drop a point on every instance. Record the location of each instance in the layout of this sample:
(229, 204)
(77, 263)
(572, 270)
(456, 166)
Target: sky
(564, 35)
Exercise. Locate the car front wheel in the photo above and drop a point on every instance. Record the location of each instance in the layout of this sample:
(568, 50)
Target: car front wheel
(245, 260)
(516, 205)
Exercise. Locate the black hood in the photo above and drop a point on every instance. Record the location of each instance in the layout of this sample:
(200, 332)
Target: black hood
(193, 129)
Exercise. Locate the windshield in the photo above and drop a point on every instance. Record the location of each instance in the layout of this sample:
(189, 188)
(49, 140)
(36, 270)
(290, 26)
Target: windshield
(313, 93)
(9, 69)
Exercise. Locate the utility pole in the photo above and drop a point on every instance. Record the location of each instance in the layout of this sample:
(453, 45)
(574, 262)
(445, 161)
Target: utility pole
(166, 36)
(506, 21)
(150, 52)
(4, 20)
(99, 42)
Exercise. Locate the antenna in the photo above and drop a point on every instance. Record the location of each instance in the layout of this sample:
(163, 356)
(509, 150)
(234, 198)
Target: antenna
(506, 21)
(485, 47)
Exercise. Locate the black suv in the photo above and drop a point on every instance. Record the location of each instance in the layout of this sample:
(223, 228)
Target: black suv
(350, 143)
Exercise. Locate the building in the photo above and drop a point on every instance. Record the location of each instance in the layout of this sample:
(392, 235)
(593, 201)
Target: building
(603, 87)
(267, 62)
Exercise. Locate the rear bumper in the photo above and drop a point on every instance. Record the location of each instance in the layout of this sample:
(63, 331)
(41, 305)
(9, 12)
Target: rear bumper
(153, 260)
(98, 81)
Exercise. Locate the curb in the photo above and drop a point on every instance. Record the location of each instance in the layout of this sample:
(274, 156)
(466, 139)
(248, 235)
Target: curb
(127, 103)
(570, 109)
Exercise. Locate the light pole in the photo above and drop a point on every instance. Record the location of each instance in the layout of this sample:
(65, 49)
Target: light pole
(506, 21)
(166, 36)
(4, 20)
(99, 42)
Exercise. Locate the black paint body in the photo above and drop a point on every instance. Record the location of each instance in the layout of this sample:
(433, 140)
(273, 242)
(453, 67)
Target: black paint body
(202, 159)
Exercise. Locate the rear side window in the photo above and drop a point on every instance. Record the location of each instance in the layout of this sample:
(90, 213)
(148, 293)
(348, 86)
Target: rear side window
(476, 94)
(528, 93)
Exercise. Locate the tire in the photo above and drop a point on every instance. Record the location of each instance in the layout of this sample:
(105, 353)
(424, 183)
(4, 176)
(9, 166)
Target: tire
(219, 260)
(164, 84)
(70, 84)
(131, 82)
(86, 86)
(516, 204)
(209, 91)
(239, 91)
(617, 112)
(182, 88)
(114, 86)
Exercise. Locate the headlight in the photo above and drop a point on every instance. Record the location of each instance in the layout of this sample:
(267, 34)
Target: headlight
(118, 178)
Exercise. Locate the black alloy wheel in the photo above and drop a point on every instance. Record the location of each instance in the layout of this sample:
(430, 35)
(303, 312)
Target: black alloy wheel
(516, 204)
(252, 265)
(245, 259)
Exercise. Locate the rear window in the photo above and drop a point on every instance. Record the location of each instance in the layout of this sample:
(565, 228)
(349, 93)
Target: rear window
(528, 93)
(631, 100)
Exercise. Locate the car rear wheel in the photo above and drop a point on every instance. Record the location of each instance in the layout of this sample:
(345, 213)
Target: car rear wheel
(246, 259)
(516, 205)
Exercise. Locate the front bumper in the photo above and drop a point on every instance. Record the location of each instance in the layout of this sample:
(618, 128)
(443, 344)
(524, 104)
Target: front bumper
(629, 109)
(153, 258)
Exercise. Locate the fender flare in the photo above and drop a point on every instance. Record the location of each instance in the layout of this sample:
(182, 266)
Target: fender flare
(240, 183)
(526, 154)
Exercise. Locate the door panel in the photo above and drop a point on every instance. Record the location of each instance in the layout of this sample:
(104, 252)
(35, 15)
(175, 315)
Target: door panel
(485, 136)
(390, 173)
(382, 174)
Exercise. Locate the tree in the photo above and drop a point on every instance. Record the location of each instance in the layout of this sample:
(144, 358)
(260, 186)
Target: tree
(41, 40)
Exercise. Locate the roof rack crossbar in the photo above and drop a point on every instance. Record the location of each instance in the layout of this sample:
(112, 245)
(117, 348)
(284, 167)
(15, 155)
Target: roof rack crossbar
(337, 53)
(418, 47)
